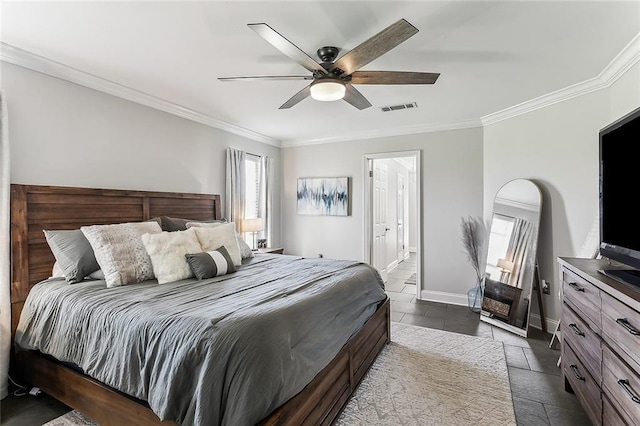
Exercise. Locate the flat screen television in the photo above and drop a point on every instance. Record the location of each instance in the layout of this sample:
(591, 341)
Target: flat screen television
(619, 194)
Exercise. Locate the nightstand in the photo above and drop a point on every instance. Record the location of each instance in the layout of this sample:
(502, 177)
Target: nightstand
(272, 250)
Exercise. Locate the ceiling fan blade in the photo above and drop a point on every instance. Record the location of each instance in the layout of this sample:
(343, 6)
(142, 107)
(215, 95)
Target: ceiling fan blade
(301, 95)
(267, 77)
(375, 46)
(286, 47)
(393, 77)
(355, 98)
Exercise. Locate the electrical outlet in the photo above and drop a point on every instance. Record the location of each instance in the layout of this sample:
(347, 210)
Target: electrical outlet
(545, 287)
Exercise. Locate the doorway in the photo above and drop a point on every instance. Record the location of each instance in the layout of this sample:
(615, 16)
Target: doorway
(392, 219)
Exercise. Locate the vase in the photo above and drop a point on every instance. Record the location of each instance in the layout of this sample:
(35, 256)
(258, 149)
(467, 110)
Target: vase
(474, 297)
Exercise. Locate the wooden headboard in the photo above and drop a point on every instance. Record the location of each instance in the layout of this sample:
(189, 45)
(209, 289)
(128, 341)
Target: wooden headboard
(34, 208)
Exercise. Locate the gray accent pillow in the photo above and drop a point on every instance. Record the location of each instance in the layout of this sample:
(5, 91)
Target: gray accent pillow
(211, 263)
(73, 253)
(120, 252)
(172, 224)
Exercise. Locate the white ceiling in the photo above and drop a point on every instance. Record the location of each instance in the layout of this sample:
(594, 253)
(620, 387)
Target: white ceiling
(491, 55)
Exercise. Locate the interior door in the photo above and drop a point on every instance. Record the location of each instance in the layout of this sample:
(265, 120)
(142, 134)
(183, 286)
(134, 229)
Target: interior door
(400, 216)
(380, 227)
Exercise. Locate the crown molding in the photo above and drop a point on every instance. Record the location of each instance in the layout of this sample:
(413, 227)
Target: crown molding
(25, 59)
(628, 57)
(373, 134)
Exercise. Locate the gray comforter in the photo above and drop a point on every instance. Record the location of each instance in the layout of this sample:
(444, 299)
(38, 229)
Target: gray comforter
(225, 351)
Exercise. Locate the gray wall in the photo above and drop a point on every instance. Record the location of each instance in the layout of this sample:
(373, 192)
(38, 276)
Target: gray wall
(64, 134)
(451, 188)
(557, 147)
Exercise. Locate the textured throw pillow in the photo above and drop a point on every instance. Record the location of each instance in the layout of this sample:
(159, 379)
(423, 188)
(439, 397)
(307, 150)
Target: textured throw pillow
(173, 224)
(57, 272)
(245, 250)
(167, 251)
(120, 252)
(211, 263)
(223, 235)
(73, 254)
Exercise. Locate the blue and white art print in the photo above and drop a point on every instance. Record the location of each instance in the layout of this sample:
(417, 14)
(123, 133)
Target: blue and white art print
(323, 196)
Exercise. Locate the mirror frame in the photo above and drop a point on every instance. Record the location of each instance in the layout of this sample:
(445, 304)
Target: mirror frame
(532, 264)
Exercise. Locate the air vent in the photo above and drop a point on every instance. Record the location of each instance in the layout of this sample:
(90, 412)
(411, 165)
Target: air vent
(399, 107)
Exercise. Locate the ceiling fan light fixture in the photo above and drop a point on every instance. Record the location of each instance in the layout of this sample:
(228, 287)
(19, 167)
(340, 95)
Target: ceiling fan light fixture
(327, 90)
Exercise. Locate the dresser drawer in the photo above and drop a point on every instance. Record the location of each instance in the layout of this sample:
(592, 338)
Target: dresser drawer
(584, 341)
(621, 329)
(610, 416)
(583, 297)
(621, 385)
(585, 387)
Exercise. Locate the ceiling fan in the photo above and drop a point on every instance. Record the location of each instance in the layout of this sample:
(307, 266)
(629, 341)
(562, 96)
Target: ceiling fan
(334, 79)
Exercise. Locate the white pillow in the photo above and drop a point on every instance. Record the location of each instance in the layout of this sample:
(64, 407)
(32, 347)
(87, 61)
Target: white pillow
(120, 252)
(167, 252)
(212, 238)
(245, 250)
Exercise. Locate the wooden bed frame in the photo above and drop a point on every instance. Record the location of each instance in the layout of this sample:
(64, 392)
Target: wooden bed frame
(34, 208)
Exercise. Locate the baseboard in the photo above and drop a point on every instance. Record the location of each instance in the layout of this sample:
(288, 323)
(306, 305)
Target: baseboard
(534, 321)
(413, 250)
(444, 297)
(407, 255)
(393, 265)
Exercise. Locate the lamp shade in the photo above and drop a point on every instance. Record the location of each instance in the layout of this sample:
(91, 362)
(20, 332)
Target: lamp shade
(505, 265)
(252, 225)
(327, 90)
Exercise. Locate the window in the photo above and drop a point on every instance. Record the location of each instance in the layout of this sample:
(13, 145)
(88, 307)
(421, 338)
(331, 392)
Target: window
(501, 230)
(252, 176)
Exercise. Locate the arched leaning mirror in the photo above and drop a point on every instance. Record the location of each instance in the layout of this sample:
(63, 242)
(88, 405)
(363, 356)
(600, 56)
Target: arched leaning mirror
(511, 256)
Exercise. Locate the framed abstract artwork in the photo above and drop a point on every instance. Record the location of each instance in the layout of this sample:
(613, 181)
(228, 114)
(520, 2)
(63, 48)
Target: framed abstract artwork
(324, 196)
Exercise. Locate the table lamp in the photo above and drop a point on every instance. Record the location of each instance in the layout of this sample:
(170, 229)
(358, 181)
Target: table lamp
(253, 226)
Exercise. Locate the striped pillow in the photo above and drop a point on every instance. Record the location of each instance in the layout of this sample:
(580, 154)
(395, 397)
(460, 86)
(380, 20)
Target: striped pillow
(211, 263)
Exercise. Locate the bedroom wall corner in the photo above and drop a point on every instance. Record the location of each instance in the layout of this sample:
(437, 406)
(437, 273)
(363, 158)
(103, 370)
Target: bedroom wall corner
(68, 135)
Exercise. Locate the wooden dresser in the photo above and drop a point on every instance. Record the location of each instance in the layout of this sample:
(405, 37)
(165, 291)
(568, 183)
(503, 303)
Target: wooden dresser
(600, 355)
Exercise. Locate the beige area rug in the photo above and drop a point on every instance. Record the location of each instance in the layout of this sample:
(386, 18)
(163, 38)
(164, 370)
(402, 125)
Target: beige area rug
(424, 377)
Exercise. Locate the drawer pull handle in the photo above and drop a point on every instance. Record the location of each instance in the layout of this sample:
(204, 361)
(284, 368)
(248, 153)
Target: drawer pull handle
(577, 372)
(625, 385)
(623, 322)
(577, 330)
(576, 287)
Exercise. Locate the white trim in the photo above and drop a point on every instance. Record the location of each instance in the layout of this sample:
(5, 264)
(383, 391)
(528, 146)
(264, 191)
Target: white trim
(381, 133)
(503, 325)
(444, 297)
(412, 249)
(534, 321)
(367, 201)
(25, 59)
(627, 58)
(393, 265)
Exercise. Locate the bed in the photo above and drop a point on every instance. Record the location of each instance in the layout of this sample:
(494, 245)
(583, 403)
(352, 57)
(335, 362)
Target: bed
(321, 397)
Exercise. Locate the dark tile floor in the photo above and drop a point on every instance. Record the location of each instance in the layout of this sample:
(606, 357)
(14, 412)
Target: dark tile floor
(538, 396)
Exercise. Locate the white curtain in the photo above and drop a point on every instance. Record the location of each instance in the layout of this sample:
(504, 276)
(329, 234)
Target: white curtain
(518, 251)
(266, 190)
(235, 186)
(5, 249)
